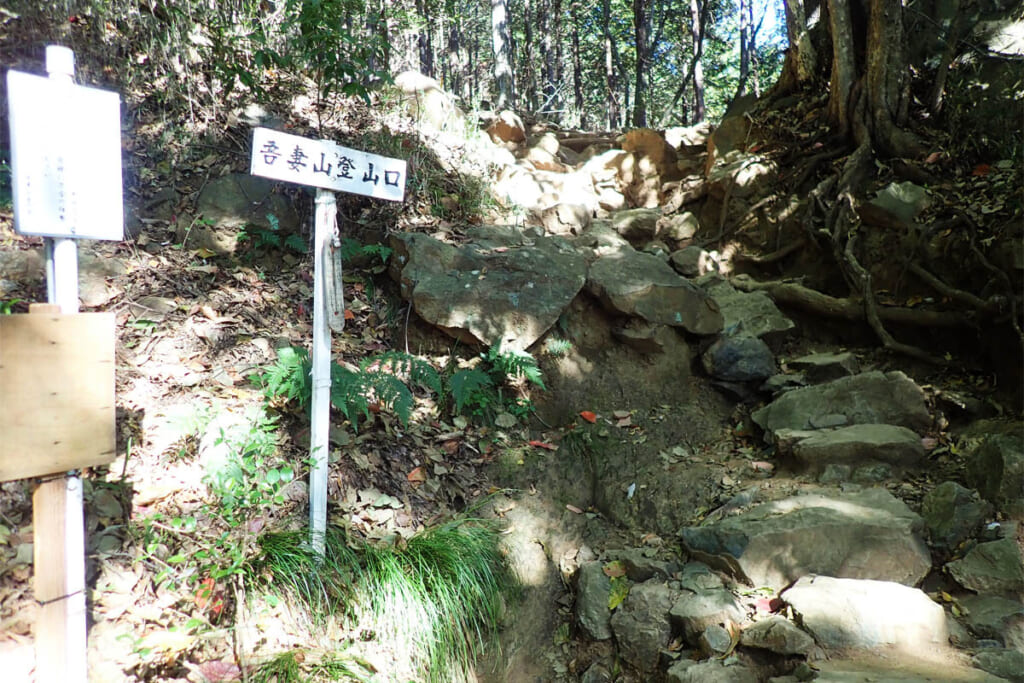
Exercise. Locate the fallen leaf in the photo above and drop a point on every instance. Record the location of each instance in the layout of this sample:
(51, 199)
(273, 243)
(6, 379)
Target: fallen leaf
(933, 158)
(981, 170)
(588, 416)
(417, 475)
(349, 315)
(541, 444)
(573, 508)
(614, 569)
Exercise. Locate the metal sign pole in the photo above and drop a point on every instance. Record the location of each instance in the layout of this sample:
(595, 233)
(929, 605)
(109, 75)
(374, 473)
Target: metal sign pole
(319, 433)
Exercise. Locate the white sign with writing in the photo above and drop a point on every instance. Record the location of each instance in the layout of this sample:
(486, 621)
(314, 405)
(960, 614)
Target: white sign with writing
(65, 158)
(322, 163)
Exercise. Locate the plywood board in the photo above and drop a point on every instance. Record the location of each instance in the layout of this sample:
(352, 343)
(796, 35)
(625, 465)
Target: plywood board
(56, 393)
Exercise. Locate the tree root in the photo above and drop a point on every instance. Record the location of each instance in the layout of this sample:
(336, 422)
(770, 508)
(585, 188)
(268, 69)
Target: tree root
(775, 256)
(810, 300)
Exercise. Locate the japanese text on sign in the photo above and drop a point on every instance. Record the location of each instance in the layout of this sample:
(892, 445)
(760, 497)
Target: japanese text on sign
(65, 158)
(322, 163)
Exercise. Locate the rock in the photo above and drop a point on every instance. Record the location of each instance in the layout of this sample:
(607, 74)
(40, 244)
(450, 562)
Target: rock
(825, 367)
(641, 624)
(677, 227)
(994, 617)
(741, 176)
(753, 313)
(871, 668)
(731, 134)
(993, 567)
(1008, 664)
(778, 384)
(697, 577)
(233, 202)
(996, 470)
(643, 336)
(639, 567)
(714, 641)
(779, 635)
(565, 219)
(592, 594)
(867, 534)
(507, 127)
(544, 160)
(870, 475)
(713, 671)
(695, 135)
(636, 284)
(868, 398)
(903, 200)
(693, 261)
(740, 358)
(865, 614)
(485, 296)
(638, 226)
(853, 445)
(650, 145)
(428, 103)
(694, 612)
(952, 514)
(597, 673)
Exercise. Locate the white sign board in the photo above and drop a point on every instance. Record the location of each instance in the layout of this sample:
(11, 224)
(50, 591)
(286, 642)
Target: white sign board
(65, 158)
(322, 163)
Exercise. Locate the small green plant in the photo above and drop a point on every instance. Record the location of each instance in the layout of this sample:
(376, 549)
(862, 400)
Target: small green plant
(271, 237)
(7, 307)
(6, 193)
(557, 347)
(490, 387)
(353, 250)
(381, 382)
(436, 597)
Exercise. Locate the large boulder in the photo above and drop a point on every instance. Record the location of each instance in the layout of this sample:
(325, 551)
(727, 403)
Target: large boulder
(592, 593)
(868, 534)
(861, 614)
(855, 445)
(502, 289)
(996, 470)
(427, 102)
(952, 514)
(993, 567)
(753, 313)
(641, 285)
(868, 398)
(641, 624)
(233, 202)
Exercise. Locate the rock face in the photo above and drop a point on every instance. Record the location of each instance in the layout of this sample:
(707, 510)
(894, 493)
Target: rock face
(860, 614)
(641, 624)
(712, 671)
(694, 612)
(993, 567)
(864, 535)
(952, 514)
(868, 398)
(778, 635)
(232, 202)
(592, 611)
(636, 284)
(825, 367)
(752, 313)
(996, 470)
(503, 289)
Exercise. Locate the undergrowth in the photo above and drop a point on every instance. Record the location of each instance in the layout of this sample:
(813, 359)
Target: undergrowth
(436, 599)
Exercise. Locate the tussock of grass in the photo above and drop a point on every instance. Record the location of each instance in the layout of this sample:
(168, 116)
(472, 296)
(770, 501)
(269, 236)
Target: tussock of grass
(438, 598)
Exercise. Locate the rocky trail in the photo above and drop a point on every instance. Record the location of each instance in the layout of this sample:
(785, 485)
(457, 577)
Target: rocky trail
(728, 477)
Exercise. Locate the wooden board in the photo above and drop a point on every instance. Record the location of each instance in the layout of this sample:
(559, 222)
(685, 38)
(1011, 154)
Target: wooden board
(56, 393)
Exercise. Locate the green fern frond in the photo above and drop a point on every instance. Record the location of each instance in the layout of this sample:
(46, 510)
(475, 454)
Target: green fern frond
(513, 363)
(289, 378)
(406, 367)
(467, 386)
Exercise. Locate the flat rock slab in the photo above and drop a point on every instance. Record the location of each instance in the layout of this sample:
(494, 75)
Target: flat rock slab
(825, 367)
(641, 624)
(712, 671)
(694, 612)
(898, 670)
(504, 290)
(868, 534)
(856, 445)
(751, 313)
(862, 614)
(632, 283)
(868, 398)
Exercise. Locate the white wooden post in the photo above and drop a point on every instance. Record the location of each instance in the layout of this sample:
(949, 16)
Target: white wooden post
(320, 419)
(62, 289)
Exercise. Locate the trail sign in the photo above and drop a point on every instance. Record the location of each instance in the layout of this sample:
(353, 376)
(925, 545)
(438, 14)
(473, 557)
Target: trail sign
(65, 158)
(324, 164)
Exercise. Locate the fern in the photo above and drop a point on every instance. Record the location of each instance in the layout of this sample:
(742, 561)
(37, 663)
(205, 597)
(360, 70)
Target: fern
(513, 363)
(406, 367)
(289, 378)
(471, 387)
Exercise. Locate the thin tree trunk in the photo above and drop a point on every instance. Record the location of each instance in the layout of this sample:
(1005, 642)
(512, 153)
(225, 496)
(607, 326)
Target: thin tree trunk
(744, 18)
(609, 67)
(642, 34)
(502, 53)
(558, 72)
(699, 15)
(577, 67)
(885, 74)
(547, 54)
(426, 47)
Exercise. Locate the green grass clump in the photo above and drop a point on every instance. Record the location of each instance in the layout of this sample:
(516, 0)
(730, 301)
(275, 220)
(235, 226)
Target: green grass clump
(437, 598)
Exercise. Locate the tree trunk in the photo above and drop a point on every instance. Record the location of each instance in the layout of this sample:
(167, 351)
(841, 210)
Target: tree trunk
(502, 54)
(529, 74)
(426, 47)
(745, 27)
(609, 67)
(698, 22)
(577, 67)
(642, 34)
(843, 68)
(885, 81)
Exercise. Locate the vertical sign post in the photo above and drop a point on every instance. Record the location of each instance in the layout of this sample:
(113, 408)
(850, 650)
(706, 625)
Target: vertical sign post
(328, 167)
(66, 172)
